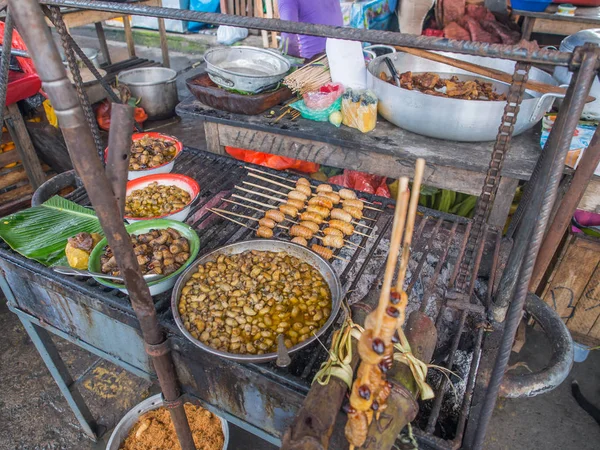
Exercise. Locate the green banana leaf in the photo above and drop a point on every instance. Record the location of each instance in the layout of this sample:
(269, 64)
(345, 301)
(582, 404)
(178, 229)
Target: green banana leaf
(41, 232)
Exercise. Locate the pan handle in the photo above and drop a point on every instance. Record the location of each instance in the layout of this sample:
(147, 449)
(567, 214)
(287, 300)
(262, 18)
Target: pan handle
(538, 111)
(219, 79)
(369, 49)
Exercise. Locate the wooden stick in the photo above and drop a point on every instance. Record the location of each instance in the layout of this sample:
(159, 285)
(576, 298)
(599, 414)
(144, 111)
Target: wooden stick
(396, 239)
(352, 244)
(495, 74)
(231, 213)
(264, 187)
(291, 188)
(233, 220)
(410, 223)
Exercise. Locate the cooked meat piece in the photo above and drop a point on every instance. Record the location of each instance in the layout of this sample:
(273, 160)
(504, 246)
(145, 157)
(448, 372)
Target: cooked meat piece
(453, 10)
(455, 31)
(475, 30)
(406, 80)
(426, 80)
(479, 12)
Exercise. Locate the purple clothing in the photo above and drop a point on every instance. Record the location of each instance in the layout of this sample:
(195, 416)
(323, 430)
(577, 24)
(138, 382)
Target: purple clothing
(321, 12)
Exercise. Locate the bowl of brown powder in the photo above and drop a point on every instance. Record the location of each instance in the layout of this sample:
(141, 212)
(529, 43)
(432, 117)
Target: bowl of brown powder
(148, 426)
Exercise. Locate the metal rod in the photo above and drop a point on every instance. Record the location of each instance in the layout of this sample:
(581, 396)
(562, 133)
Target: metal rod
(5, 62)
(119, 150)
(513, 52)
(78, 136)
(552, 172)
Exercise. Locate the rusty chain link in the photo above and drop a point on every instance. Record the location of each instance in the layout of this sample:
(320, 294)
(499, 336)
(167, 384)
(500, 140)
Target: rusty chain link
(61, 28)
(493, 175)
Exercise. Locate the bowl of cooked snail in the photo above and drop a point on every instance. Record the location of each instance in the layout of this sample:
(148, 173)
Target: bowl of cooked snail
(164, 249)
(161, 196)
(151, 153)
(236, 300)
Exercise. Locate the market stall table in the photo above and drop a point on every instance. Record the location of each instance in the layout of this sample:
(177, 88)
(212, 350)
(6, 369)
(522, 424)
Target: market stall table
(388, 150)
(550, 23)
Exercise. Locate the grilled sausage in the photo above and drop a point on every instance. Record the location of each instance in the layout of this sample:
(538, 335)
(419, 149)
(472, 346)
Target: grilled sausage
(333, 232)
(344, 227)
(321, 201)
(356, 203)
(354, 212)
(312, 217)
(288, 210)
(264, 232)
(314, 227)
(300, 240)
(340, 214)
(333, 241)
(333, 196)
(297, 203)
(297, 195)
(324, 188)
(275, 215)
(356, 428)
(306, 190)
(266, 222)
(320, 210)
(299, 230)
(302, 181)
(324, 252)
(347, 194)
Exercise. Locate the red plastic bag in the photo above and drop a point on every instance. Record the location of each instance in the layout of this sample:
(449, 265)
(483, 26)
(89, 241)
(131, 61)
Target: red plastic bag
(371, 184)
(103, 115)
(273, 161)
(324, 97)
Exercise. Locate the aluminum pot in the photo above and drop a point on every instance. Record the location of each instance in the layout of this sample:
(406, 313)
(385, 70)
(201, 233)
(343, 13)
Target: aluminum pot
(121, 431)
(156, 88)
(246, 69)
(268, 245)
(449, 118)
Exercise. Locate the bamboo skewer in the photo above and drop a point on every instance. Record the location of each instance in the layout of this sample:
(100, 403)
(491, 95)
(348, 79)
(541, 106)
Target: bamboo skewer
(283, 200)
(233, 220)
(271, 206)
(350, 243)
(264, 187)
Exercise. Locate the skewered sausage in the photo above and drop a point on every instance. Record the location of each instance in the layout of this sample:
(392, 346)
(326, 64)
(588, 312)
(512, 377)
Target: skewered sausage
(356, 428)
(333, 232)
(324, 188)
(297, 195)
(333, 196)
(333, 241)
(356, 203)
(297, 203)
(354, 212)
(288, 210)
(275, 215)
(302, 181)
(320, 210)
(306, 190)
(340, 214)
(264, 232)
(324, 252)
(347, 194)
(266, 222)
(344, 227)
(321, 201)
(314, 227)
(312, 217)
(300, 240)
(299, 230)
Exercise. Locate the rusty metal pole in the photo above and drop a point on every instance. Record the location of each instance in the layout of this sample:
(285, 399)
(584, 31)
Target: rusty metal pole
(119, 150)
(30, 21)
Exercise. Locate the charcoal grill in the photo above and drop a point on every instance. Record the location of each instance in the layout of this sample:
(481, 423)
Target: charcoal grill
(77, 307)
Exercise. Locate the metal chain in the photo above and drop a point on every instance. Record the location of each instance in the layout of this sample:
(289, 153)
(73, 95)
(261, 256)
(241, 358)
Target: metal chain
(493, 176)
(74, 68)
(4, 65)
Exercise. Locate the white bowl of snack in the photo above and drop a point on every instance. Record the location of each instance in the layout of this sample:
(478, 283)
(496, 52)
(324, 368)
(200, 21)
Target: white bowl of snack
(160, 196)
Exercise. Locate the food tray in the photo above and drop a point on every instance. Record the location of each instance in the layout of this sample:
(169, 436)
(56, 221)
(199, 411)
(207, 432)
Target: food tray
(207, 92)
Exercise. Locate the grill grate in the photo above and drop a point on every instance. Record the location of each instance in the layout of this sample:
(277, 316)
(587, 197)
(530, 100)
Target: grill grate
(438, 244)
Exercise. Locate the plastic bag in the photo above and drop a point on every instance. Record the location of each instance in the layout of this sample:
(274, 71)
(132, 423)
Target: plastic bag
(273, 161)
(364, 182)
(103, 115)
(324, 97)
(359, 109)
(227, 35)
(318, 116)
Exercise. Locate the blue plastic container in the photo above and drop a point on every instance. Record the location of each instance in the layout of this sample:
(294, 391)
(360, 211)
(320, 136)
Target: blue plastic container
(210, 6)
(530, 5)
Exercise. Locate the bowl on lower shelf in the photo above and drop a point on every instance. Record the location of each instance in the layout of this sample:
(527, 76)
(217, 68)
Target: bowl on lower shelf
(530, 5)
(129, 420)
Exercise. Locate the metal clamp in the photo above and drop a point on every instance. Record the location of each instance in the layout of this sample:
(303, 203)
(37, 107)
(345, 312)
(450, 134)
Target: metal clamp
(174, 403)
(155, 350)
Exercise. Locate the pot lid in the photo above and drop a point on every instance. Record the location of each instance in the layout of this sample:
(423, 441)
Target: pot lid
(569, 43)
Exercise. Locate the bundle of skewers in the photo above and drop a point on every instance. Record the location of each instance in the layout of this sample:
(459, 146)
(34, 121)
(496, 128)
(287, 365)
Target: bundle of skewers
(309, 77)
(302, 211)
(383, 326)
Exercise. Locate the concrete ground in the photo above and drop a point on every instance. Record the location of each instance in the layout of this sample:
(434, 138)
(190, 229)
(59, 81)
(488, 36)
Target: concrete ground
(34, 415)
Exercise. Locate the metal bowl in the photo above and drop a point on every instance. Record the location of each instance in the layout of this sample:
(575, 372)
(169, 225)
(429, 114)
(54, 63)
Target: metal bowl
(267, 245)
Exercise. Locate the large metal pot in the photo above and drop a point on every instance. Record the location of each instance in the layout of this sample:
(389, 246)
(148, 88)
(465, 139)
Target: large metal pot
(268, 245)
(247, 69)
(156, 88)
(448, 118)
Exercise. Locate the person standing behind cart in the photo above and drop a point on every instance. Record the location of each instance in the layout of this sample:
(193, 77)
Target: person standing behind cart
(320, 12)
